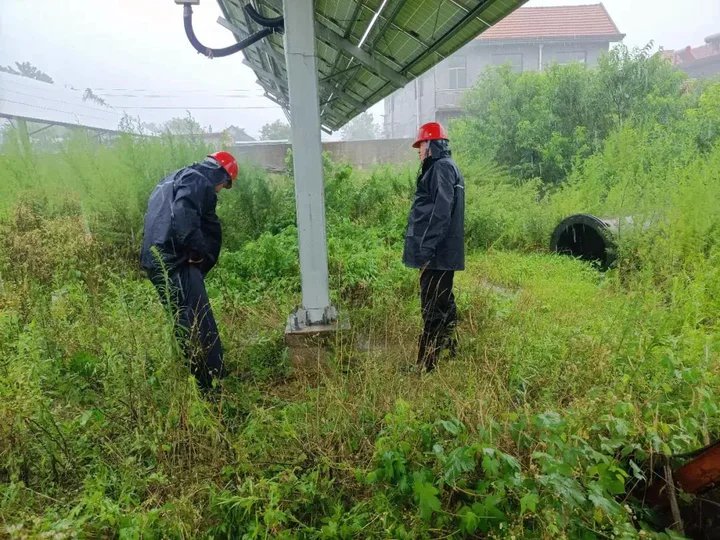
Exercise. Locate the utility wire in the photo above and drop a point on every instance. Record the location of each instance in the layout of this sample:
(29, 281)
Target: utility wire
(238, 108)
(245, 107)
(33, 87)
(55, 110)
(176, 96)
(118, 109)
(109, 110)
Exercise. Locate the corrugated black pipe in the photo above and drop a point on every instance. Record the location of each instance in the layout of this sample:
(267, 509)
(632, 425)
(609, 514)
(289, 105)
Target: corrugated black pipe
(226, 51)
(588, 237)
(277, 22)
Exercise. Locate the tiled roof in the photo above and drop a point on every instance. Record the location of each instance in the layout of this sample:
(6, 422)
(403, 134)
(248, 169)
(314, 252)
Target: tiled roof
(704, 51)
(689, 55)
(537, 23)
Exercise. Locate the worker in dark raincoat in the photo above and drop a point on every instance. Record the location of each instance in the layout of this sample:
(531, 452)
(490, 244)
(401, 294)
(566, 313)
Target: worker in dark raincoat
(181, 244)
(435, 241)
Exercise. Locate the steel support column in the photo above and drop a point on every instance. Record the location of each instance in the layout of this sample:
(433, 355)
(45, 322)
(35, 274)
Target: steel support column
(23, 137)
(307, 164)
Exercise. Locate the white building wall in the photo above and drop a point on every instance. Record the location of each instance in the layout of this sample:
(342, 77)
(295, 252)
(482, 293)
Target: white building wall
(438, 101)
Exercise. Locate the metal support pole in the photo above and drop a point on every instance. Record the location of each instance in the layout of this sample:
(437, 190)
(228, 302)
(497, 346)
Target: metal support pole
(23, 137)
(307, 164)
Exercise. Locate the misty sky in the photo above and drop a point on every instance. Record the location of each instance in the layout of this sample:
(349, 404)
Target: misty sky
(138, 48)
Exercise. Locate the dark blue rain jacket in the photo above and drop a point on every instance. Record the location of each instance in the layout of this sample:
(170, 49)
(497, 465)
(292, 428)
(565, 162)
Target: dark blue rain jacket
(435, 235)
(181, 223)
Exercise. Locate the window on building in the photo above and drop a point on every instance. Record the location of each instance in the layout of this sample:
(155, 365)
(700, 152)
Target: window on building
(515, 60)
(457, 70)
(568, 57)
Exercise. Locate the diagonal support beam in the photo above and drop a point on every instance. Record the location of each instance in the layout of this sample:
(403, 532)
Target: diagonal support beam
(389, 19)
(278, 58)
(274, 99)
(268, 74)
(48, 126)
(336, 74)
(261, 48)
(368, 60)
(348, 31)
(472, 14)
(348, 97)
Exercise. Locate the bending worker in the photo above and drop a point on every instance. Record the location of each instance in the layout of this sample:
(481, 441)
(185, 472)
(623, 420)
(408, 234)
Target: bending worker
(435, 241)
(181, 244)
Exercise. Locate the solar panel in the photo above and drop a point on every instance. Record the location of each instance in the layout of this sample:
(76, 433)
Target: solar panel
(360, 63)
(22, 97)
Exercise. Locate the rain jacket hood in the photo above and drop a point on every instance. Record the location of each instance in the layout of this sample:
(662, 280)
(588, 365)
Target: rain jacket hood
(211, 170)
(439, 148)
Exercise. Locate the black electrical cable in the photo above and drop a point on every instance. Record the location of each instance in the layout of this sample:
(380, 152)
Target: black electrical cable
(212, 53)
(277, 22)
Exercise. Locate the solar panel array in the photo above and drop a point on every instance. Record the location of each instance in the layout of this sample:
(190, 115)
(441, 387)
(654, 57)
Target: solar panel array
(25, 98)
(356, 67)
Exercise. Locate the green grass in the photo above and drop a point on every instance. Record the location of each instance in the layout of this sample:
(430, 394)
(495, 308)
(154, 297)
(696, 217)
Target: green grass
(569, 382)
(105, 434)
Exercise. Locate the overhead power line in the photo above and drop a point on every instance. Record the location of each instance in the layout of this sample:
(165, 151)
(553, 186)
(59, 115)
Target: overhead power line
(205, 108)
(80, 105)
(139, 107)
(52, 109)
(178, 96)
(186, 90)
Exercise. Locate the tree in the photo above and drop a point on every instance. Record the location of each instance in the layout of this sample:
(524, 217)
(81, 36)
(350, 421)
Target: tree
(183, 126)
(361, 127)
(26, 69)
(539, 124)
(89, 95)
(275, 131)
(640, 85)
(151, 127)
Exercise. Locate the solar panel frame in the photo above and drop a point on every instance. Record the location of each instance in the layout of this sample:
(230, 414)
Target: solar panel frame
(408, 38)
(36, 101)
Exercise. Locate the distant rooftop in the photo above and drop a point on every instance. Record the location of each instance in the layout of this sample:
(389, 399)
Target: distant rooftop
(695, 55)
(234, 133)
(553, 23)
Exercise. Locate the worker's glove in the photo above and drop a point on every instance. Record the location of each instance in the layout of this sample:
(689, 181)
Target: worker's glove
(207, 264)
(195, 258)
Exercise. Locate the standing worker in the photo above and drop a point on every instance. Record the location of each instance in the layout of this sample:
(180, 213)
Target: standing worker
(181, 244)
(435, 241)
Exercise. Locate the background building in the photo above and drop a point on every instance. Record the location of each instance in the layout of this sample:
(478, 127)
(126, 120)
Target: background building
(529, 39)
(703, 61)
(229, 135)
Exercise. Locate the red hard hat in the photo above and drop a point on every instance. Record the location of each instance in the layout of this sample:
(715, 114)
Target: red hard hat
(430, 132)
(227, 161)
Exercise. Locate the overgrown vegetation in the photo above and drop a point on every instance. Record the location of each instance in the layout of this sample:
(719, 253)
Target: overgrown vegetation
(568, 385)
(539, 124)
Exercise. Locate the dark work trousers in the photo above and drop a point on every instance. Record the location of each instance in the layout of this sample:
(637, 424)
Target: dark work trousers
(439, 316)
(195, 326)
